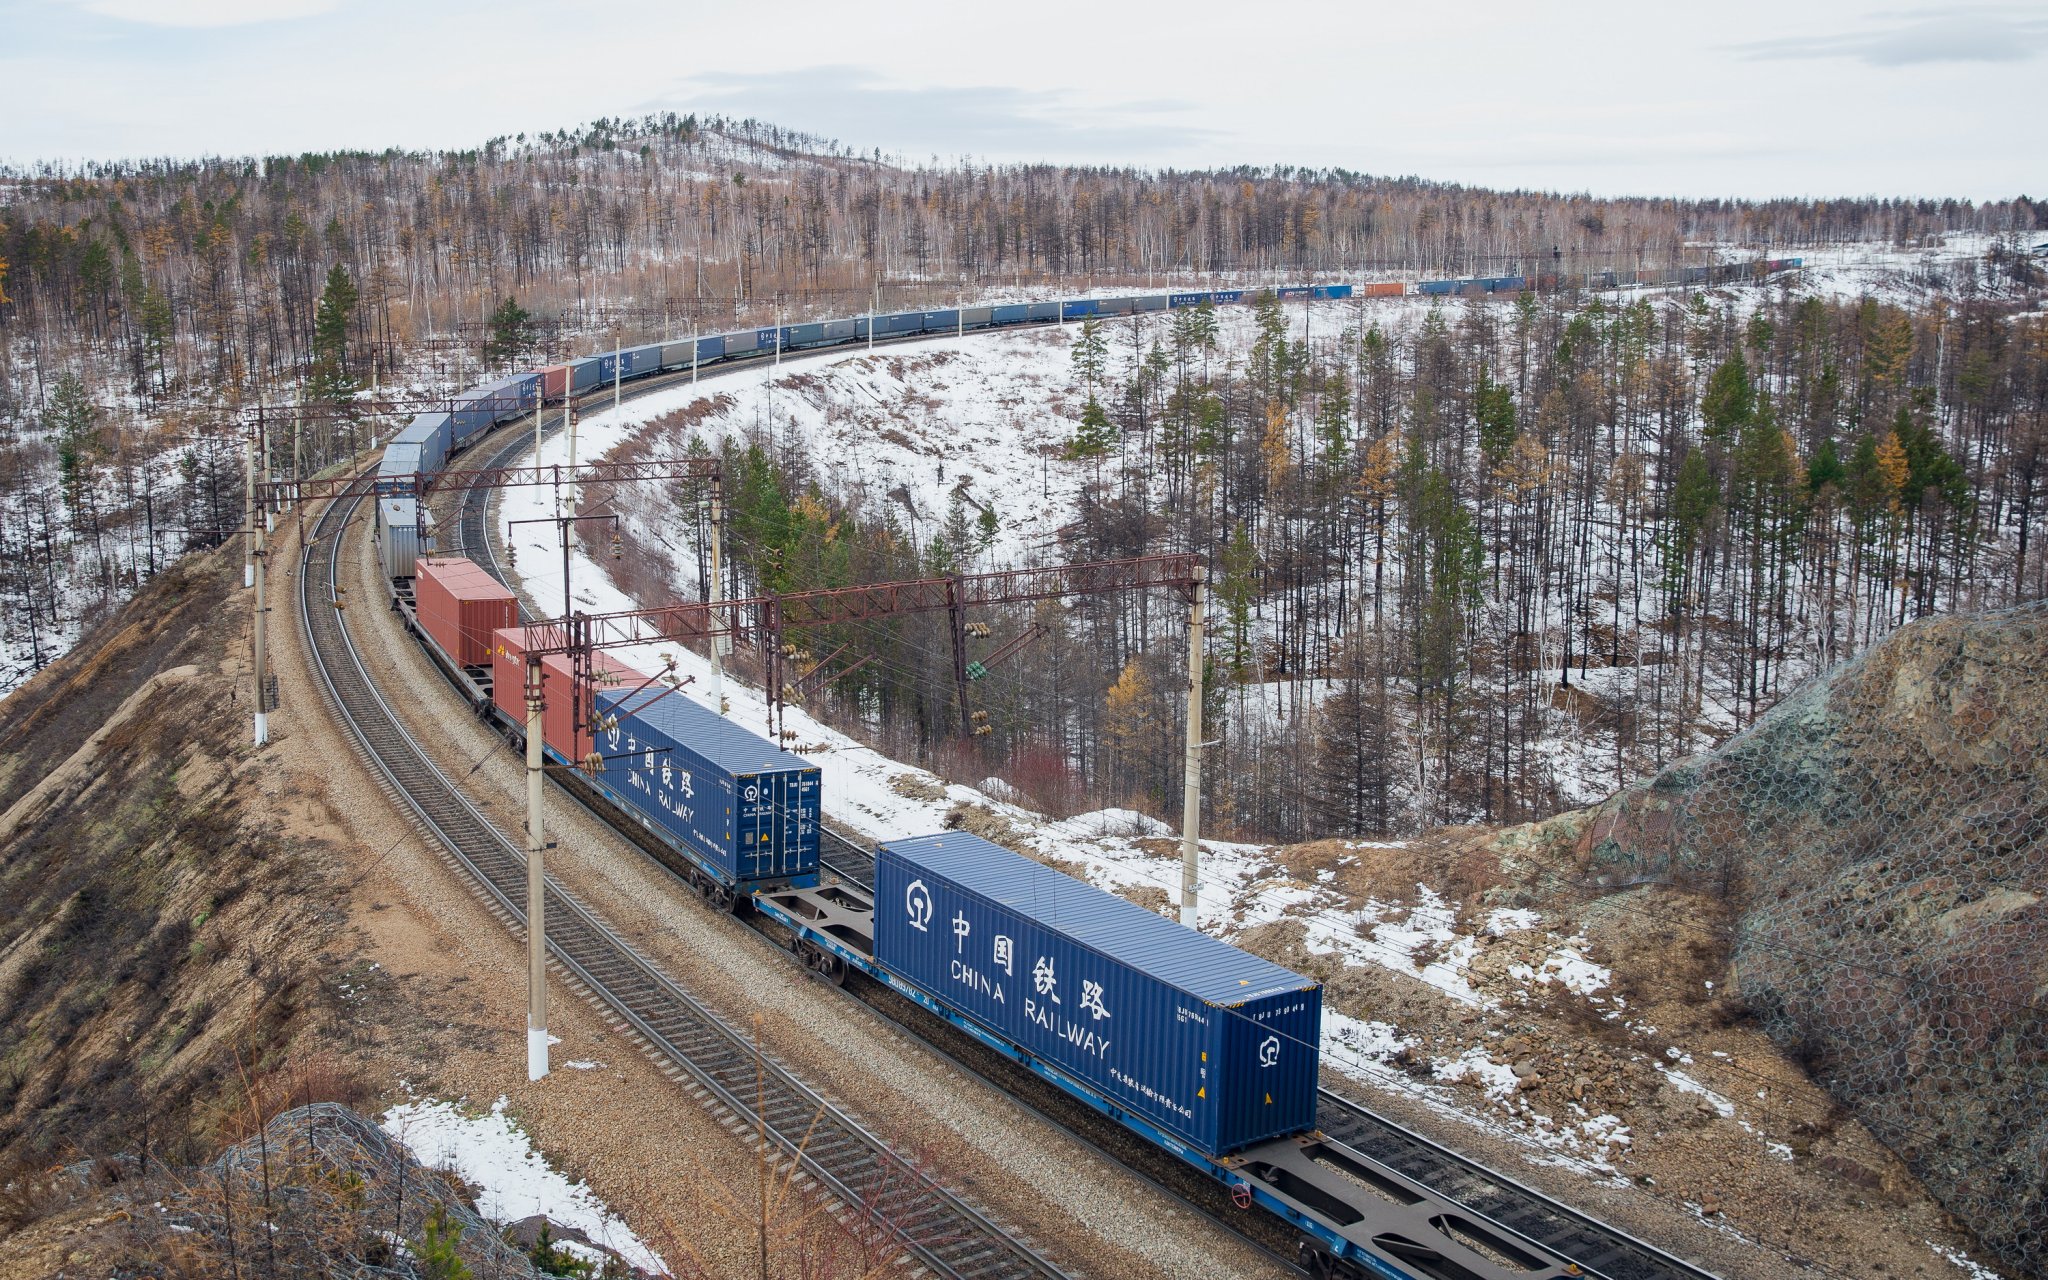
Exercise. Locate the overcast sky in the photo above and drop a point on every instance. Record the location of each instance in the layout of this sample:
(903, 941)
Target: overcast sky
(1806, 97)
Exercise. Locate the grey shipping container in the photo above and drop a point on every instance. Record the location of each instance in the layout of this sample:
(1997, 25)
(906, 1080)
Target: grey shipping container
(676, 355)
(975, 317)
(1044, 310)
(1151, 302)
(398, 535)
(838, 330)
(732, 799)
(1207, 1043)
(737, 344)
(1114, 306)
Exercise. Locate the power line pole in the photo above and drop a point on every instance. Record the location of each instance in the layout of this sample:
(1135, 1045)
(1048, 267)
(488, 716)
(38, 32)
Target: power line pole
(1191, 797)
(261, 641)
(249, 506)
(536, 882)
(720, 644)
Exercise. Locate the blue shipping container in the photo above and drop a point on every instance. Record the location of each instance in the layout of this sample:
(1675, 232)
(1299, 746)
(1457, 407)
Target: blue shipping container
(643, 359)
(1226, 295)
(583, 374)
(1010, 313)
(1187, 299)
(1204, 1041)
(733, 800)
(1075, 308)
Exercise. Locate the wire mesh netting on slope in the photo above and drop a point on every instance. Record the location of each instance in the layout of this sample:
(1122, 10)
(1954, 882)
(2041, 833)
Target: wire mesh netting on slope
(1881, 841)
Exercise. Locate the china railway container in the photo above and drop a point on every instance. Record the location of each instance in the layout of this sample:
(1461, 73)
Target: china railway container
(398, 535)
(565, 725)
(461, 606)
(1207, 1043)
(641, 360)
(1221, 296)
(1186, 299)
(731, 799)
(1385, 289)
(772, 338)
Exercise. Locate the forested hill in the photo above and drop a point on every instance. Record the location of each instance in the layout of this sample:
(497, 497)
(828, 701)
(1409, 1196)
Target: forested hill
(1555, 485)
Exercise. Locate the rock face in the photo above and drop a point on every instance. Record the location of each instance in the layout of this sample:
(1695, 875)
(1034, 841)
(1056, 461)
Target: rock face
(1880, 841)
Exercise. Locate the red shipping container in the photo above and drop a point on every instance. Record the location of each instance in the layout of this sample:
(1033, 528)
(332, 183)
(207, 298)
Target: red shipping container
(552, 380)
(460, 605)
(508, 689)
(1385, 289)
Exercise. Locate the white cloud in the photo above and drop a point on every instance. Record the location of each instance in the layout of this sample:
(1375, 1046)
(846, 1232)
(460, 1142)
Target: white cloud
(206, 13)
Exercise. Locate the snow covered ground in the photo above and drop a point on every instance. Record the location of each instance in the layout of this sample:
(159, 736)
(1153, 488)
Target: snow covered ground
(490, 1152)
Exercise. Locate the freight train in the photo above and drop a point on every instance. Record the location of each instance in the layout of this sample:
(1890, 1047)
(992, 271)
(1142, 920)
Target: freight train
(420, 450)
(1203, 1050)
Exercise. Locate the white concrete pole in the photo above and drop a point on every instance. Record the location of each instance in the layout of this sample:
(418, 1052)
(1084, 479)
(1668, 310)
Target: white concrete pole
(693, 355)
(262, 644)
(874, 306)
(1191, 797)
(720, 644)
(536, 883)
(249, 511)
(618, 354)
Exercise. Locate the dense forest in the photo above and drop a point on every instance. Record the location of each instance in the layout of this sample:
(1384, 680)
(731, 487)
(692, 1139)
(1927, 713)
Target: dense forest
(1435, 534)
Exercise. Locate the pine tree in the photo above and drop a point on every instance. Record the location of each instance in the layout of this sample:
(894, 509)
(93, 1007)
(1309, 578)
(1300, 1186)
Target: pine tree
(1096, 434)
(511, 333)
(436, 1253)
(73, 422)
(1729, 400)
(1090, 355)
(331, 379)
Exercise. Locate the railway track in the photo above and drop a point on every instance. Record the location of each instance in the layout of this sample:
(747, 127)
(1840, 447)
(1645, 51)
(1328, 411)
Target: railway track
(1599, 1250)
(930, 1224)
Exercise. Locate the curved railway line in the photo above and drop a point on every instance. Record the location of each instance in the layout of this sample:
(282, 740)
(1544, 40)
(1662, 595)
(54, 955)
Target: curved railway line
(943, 1232)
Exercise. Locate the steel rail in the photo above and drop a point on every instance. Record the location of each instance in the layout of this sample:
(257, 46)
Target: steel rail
(855, 1166)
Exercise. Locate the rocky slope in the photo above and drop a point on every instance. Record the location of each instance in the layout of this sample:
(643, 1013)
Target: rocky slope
(1872, 856)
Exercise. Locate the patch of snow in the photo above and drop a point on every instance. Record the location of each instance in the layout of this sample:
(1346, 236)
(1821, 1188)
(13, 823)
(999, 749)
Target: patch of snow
(490, 1152)
(1686, 1084)
(1962, 1262)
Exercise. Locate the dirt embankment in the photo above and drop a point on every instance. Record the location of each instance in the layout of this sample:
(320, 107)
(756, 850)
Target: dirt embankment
(161, 949)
